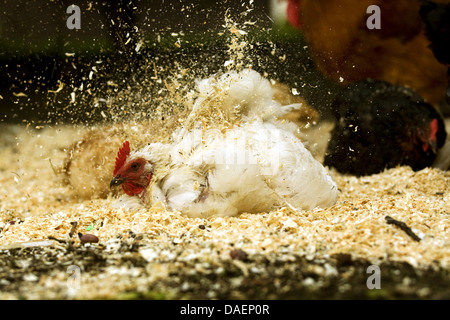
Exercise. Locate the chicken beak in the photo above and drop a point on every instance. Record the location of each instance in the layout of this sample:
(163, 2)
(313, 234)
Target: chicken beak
(117, 180)
(433, 145)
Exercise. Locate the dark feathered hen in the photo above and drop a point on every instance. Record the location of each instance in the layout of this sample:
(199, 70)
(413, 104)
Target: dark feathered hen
(437, 29)
(379, 126)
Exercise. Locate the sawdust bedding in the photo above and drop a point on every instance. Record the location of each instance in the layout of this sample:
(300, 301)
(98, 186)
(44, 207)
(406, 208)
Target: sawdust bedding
(36, 204)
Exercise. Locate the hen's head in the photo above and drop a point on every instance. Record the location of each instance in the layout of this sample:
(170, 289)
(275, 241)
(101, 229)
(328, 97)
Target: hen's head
(131, 171)
(428, 137)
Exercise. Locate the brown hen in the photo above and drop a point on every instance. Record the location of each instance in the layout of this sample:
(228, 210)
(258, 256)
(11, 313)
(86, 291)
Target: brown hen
(344, 48)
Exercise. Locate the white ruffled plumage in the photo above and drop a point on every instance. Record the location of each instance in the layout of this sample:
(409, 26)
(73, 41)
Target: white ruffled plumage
(232, 155)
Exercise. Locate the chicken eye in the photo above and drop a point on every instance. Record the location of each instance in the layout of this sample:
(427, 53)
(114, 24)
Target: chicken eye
(135, 166)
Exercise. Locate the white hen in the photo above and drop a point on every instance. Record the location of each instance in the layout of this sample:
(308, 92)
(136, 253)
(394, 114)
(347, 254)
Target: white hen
(230, 156)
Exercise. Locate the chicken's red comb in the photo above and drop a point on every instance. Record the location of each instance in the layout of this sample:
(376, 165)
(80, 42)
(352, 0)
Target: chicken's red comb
(293, 13)
(122, 155)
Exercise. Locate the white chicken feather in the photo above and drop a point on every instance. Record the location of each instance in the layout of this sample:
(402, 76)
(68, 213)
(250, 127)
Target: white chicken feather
(232, 155)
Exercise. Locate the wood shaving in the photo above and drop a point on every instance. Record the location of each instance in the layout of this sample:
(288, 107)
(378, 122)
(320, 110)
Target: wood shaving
(45, 207)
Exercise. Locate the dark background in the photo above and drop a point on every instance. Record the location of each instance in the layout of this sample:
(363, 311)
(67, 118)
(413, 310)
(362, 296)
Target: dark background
(38, 52)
